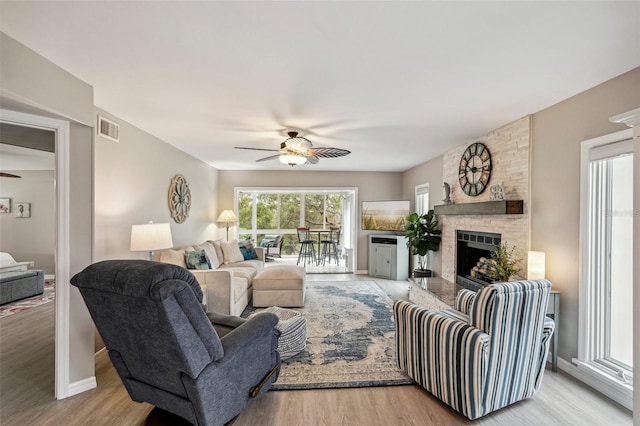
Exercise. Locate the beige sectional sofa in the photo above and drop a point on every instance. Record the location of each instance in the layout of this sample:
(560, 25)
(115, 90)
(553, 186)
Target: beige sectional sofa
(227, 286)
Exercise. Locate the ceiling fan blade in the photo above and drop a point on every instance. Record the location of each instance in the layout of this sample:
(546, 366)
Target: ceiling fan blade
(271, 157)
(256, 149)
(328, 152)
(9, 175)
(311, 159)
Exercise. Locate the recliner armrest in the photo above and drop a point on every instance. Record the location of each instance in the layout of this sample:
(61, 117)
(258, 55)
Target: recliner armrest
(224, 324)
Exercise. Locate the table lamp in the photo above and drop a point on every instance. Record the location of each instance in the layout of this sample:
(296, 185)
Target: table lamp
(151, 236)
(227, 217)
(535, 265)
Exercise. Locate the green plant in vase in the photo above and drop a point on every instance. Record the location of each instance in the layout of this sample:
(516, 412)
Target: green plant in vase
(503, 264)
(423, 237)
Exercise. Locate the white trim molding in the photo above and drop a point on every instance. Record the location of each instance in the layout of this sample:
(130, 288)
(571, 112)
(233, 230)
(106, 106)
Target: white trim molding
(590, 324)
(620, 392)
(632, 119)
(63, 387)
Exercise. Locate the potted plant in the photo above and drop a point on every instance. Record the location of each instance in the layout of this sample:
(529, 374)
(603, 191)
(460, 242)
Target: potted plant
(503, 264)
(423, 237)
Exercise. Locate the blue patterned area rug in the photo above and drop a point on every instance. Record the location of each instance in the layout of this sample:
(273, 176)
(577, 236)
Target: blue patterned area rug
(350, 339)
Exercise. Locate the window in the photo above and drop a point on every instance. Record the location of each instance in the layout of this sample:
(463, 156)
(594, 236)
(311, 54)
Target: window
(268, 212)
(606, 278)
(422, 199)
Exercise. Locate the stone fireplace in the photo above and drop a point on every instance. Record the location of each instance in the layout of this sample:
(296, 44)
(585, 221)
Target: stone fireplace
(509, 147)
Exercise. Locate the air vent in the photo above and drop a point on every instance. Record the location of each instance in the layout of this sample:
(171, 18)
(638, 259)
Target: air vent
(108, 129)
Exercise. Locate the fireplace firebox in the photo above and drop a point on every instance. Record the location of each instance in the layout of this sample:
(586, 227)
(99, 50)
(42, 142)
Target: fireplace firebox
(472, 249)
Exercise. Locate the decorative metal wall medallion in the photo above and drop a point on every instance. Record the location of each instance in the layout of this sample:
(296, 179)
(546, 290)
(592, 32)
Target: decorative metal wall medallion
(179, 198)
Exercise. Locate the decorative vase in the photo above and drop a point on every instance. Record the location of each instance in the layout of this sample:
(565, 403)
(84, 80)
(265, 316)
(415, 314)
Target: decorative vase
(422, 273)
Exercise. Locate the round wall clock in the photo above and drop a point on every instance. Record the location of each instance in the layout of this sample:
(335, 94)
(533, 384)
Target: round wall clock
(475, 169)
(179, 198)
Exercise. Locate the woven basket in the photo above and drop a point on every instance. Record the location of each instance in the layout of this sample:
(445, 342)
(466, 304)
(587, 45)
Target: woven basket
(293, 328)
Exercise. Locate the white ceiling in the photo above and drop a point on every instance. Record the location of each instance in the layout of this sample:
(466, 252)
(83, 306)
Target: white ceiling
(396, 83)
(14, 158)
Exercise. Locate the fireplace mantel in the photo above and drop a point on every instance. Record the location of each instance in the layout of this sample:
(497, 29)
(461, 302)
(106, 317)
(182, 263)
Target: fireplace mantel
(481, 208)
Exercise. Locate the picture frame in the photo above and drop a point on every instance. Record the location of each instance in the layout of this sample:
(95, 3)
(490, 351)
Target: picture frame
(384, 215)
(5, 205)
(22, 210)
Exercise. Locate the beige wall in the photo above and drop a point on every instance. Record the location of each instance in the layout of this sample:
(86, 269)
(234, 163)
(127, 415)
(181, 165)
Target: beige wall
(131, 186)
(31, 238)
(429, 172)
(555, 184)
(30, 83)
(371, 186)
(81, 328)
(33, 81)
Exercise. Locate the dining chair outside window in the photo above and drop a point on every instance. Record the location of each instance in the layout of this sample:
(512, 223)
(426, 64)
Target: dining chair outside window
(329, 246)
(307, 247)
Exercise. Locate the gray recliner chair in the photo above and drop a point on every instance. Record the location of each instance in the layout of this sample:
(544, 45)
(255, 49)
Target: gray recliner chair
(165, 348)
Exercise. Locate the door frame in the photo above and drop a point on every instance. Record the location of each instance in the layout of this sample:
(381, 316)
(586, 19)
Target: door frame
(61, 129)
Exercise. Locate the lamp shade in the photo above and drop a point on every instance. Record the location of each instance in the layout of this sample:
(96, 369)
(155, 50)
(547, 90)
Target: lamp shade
(151, 236)
(227, 216)
(535, 265)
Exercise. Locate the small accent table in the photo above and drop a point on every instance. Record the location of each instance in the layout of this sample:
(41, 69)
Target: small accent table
(553, 311)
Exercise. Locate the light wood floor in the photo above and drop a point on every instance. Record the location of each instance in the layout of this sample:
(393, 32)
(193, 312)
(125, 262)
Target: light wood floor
(27, 388)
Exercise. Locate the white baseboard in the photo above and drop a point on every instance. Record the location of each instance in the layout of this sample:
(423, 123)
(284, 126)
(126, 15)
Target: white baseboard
(82, 386)
(616, 392)
(362, 272)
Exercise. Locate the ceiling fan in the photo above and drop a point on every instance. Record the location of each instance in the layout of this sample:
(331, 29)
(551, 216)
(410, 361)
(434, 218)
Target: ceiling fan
(9, 175)
(296, 150)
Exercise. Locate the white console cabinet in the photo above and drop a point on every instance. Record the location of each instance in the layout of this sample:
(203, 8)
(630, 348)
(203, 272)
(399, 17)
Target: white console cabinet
(389, 257)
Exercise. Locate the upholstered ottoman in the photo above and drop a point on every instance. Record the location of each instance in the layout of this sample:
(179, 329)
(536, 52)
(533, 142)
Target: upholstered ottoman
(293, 331)
(281, 285)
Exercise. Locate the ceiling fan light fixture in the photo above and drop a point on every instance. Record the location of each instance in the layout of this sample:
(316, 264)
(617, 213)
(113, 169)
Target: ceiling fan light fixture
(297, 143)
(292, 160)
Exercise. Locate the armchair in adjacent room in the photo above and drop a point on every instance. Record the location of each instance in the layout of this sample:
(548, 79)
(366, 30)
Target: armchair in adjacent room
(487, 353)
(273, 244)
(165, 348)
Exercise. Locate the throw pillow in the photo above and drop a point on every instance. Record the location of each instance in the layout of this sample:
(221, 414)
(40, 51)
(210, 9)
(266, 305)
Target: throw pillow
(210, 251)
(231, 251)
(197, 260)
(217, 245)
(247, 250)
(175, 257)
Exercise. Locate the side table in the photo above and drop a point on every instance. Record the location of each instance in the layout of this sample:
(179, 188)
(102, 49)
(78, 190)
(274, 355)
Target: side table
(553, 311)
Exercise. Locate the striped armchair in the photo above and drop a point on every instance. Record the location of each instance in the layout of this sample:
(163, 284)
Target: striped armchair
(486, 354)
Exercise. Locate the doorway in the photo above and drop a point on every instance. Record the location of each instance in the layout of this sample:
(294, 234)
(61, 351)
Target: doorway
(61, 129)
